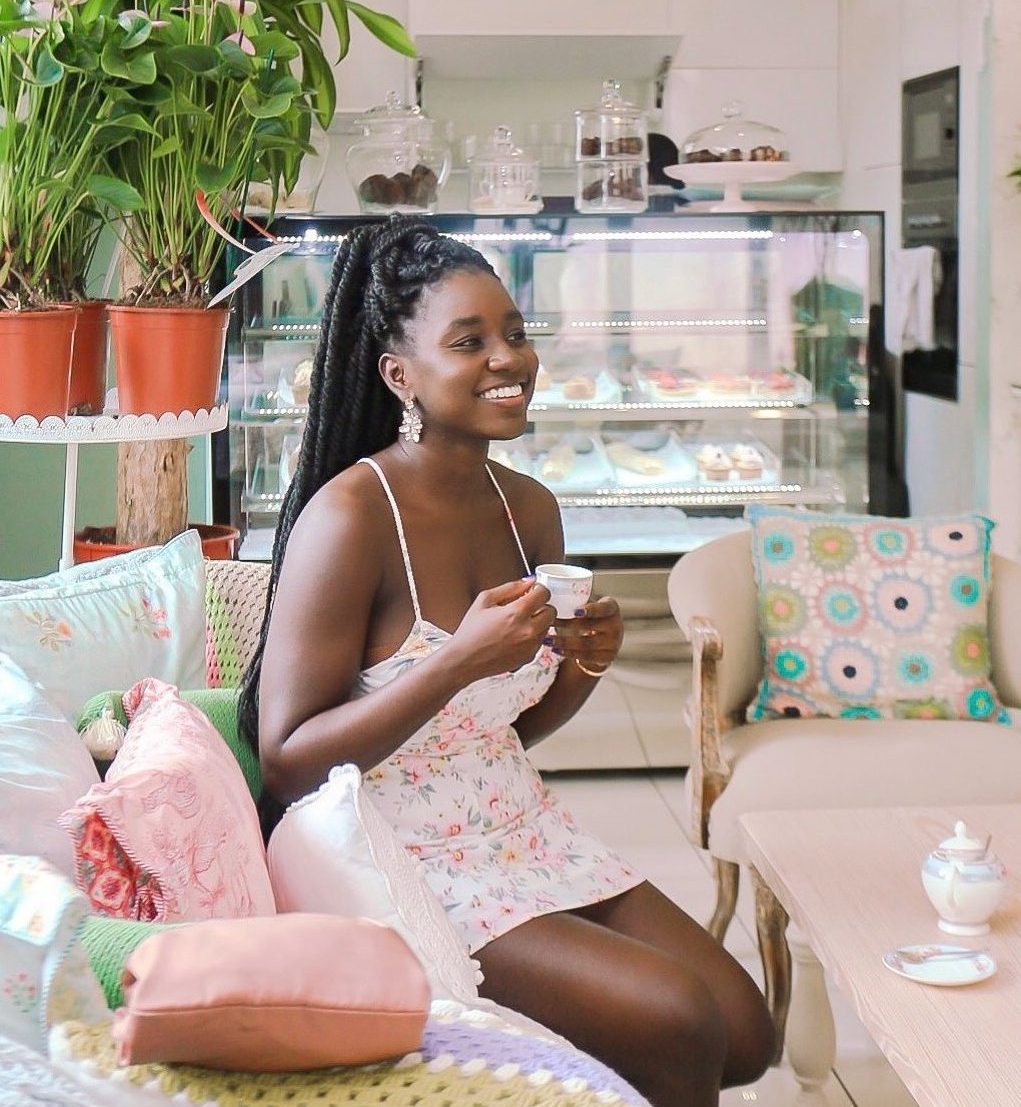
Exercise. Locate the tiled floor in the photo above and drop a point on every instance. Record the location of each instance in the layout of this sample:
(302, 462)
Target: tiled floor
(641, 815)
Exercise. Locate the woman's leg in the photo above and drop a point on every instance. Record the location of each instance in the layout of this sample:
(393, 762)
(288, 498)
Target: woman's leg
(644, 1012)
(647, 915)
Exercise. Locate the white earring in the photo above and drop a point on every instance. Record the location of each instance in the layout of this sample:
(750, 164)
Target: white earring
(411, 422)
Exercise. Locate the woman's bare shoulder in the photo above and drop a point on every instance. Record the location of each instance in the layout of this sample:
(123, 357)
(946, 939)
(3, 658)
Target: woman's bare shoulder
(534, 507)
(340, 528)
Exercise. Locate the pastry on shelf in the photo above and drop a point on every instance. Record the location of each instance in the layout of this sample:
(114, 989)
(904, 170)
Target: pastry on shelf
(780, 382)
(714, 462)
(624, 455)
(542, 379)
(748, 462)
(726, 384)
(579, 387)
(302, 381)
(558, 463)
(515, 460)
(672, 384)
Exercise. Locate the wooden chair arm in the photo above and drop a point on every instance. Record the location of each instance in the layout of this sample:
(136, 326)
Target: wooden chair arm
(710, 772)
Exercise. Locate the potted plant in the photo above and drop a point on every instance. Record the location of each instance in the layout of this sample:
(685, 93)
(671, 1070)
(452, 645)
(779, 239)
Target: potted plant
(222, 109)
(56, 130)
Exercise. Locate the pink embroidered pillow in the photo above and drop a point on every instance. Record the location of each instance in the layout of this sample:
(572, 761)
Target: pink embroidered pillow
(277, 994)
(172, 834)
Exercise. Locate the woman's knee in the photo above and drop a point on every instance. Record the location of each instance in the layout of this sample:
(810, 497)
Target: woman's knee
(751, 1037)
(691, 1030)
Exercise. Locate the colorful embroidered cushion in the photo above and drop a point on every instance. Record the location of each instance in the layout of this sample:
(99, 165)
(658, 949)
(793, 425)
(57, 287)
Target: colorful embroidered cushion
(864, 617)
(109, 623)
(172, 834)
(334, 853)
(278, 994)
(468, 1057)
(44, 974)
(43, 769)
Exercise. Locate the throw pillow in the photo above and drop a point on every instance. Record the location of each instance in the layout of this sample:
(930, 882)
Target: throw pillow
(44, 974)
(469, 1057)
(864, 617)
(333, 853)
(43, 769)
(172, 834)
(109, 623)
(277, 994)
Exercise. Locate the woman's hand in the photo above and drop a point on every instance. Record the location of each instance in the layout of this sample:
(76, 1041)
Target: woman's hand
(503, 628)
(594, 637)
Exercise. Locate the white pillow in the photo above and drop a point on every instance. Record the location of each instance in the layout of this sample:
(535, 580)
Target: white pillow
(44, 768)
(107, 624)
(333, 853)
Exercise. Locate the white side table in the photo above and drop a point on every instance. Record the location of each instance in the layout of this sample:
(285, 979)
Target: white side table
(75, 430)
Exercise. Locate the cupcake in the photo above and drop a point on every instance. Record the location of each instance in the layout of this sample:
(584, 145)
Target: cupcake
(748, 462)
(714, 462)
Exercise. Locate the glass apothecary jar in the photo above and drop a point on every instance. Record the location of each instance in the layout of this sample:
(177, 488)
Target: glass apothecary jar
(401, 163)
(502, 178)
(302, 197)
(612, 129)
(735, 139)
(611, 186)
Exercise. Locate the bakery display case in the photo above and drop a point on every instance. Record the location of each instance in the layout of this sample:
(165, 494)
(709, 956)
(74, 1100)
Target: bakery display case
(690, 364)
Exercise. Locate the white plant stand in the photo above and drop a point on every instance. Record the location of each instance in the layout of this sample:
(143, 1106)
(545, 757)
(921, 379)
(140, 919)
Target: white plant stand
(75, 430)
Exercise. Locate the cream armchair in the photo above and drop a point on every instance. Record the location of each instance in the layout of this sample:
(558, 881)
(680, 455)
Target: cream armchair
(787, 764)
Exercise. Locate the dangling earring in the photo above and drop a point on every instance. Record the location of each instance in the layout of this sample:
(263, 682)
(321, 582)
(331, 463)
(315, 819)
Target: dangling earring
(411, 422)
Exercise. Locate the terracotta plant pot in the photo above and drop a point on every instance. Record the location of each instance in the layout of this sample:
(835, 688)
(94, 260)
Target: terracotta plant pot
(88, 362)
(35, 361)
(167, 359)
(219, 543)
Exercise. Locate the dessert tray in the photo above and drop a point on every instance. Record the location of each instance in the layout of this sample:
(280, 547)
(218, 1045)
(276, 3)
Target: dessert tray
(639, 461)
(683, 388)
(732, 175)
(607, 391)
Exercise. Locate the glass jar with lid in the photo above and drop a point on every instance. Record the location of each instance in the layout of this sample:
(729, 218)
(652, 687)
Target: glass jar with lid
(401, 163)
(612, 129)
(735, 139)
(502, 178)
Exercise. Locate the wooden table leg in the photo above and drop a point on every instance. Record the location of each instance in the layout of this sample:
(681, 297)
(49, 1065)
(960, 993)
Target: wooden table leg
(811, 1039)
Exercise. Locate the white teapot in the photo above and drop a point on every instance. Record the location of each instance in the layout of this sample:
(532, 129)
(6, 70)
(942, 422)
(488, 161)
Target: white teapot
(964, 882)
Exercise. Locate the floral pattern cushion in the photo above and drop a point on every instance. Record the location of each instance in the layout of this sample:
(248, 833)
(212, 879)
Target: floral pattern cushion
(108, 624)
(864, 617)
(172, 834)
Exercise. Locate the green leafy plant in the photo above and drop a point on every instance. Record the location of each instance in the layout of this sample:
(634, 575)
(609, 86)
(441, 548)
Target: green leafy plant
(56, 132)
(221, 108)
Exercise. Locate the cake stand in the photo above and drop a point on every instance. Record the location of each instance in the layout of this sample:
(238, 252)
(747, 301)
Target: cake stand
(732, 175)
(74, 430)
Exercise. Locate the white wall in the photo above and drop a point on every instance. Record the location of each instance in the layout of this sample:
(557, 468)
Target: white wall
(882, 44)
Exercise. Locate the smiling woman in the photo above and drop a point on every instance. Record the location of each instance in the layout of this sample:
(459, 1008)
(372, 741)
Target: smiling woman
(405, 634)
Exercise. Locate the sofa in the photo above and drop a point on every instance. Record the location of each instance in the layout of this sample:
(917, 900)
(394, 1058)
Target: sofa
(473, 1051)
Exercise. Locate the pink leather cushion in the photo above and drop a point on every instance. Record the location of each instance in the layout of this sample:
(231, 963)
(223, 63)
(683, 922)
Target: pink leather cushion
(280, 994)
(172, 834)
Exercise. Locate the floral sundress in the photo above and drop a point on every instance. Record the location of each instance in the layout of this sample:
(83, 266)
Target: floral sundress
(496, 845)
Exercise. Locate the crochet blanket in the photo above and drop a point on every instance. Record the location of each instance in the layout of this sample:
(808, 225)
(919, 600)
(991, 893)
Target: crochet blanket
(469, 1057)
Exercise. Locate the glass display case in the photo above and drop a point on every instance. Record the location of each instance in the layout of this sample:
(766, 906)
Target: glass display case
(690, 364)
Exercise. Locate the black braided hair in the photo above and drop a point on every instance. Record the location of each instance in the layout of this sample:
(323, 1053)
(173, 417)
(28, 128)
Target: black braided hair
(378, 276)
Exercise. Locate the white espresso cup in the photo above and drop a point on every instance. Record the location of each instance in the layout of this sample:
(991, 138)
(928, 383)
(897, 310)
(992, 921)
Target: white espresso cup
(569, 587)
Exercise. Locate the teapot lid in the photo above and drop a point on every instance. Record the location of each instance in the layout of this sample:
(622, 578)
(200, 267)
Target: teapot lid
(393, 113)
(964, 845)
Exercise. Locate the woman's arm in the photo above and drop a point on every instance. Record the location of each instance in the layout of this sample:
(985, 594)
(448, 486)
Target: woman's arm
(592, 639)
(329, 584)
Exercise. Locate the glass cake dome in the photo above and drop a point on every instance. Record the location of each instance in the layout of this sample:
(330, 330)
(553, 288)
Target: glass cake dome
(735, 139)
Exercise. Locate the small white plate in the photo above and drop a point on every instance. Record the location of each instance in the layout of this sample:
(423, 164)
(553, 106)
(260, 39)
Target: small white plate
(970, 968)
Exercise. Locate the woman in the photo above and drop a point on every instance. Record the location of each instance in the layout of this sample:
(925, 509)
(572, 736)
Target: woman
(404, 633)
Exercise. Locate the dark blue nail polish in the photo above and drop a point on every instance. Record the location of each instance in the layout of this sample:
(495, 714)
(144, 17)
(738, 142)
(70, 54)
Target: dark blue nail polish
(548, 640)
(558, 651)
(579, 612)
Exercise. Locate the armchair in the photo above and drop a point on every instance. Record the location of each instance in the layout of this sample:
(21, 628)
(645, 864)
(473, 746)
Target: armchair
(790, 764)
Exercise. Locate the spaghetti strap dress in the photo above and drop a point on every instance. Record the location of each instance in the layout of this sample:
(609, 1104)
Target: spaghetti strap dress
(497, 848)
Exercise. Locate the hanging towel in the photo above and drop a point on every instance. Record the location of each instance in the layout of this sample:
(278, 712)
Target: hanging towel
(918, 274)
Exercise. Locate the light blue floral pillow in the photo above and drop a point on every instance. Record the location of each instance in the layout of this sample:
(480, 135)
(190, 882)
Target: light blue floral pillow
(864, 617)
(107, 624)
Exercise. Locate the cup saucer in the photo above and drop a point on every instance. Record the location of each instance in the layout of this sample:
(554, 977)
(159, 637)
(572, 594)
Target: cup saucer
(969, 968)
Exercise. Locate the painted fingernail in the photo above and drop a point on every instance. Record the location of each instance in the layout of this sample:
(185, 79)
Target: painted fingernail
(558, 651)
(548, 640)
(579, 611)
